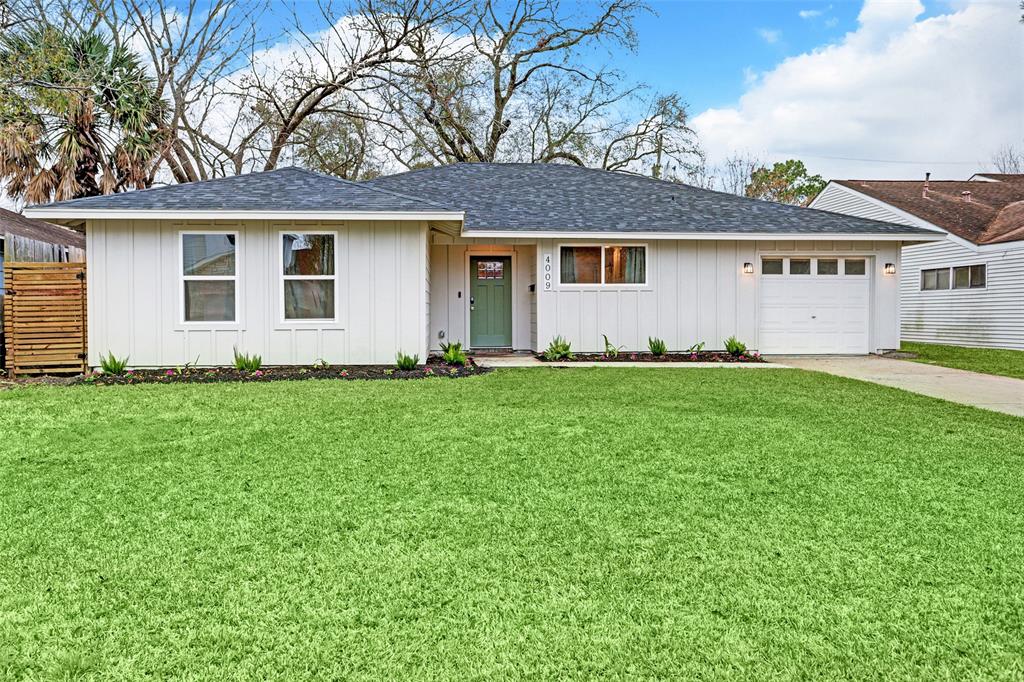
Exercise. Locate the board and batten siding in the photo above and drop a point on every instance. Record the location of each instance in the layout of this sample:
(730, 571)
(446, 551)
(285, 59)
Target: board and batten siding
(695, 292)
(992, 317)
(449, 288)
(135, 300)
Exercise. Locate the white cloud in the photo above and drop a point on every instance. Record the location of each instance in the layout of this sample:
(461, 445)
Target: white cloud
(809, 13)
(769, 35)
(942, 89)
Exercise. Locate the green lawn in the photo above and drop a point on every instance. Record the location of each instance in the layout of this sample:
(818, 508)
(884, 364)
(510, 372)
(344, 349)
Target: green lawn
(630, 523)
(1008, 363)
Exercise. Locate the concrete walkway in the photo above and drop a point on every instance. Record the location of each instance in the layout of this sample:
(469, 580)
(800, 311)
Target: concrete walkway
(1001, 394)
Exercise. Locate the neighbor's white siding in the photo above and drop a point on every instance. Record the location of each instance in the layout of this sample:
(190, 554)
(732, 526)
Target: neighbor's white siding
(839, 199)
(992, 317)
(135, 306)
(449, 287)
(696, 292)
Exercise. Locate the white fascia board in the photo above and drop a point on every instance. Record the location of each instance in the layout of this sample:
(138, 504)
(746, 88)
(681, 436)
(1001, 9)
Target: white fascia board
(704, 236)
(106, 214)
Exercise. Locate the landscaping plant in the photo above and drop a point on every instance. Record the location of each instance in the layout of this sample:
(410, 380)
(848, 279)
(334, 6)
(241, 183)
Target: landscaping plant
(406, 362)
(453, 353)
(112, 365)
(735, 347)
(696, 348)
(610, 349)
(558, 349)
(247, 363)
(657, 346)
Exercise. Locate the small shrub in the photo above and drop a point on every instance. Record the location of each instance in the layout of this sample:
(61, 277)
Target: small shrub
(610, 349)
(735, 347)
(695, 348)
(321, 364)
(247, 363)
(558, 349)
(453, 354)
(657, 346)
(112, 365)
(406, 362)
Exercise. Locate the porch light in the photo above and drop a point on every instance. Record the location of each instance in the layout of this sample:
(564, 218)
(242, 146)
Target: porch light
(748, 268)
(889, 269)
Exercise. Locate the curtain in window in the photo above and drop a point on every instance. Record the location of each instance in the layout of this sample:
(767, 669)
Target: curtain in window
(625, 265)
(568, 269)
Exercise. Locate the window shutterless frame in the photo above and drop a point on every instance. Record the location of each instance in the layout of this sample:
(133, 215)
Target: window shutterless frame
(182, 278)
(602, 283)
(283, 278)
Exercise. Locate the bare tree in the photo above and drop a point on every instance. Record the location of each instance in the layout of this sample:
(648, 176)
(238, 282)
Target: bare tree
(1009, 159)
(511, 82)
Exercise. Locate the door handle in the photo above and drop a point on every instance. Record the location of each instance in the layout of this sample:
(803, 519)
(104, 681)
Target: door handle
(472, 300)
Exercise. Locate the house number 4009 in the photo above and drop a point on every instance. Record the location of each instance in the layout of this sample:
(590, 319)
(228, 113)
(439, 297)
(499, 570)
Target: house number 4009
(547, 272)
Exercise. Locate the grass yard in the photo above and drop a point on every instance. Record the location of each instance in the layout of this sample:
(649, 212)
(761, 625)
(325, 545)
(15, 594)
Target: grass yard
(544, 523)
(1008, 363)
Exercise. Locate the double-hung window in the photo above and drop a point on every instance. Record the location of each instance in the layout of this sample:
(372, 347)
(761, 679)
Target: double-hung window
(308, 270)
(603, 265)
(209, 276)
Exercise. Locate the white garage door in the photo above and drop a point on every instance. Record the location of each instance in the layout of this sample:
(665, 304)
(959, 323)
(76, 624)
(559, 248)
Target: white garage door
(815, 305)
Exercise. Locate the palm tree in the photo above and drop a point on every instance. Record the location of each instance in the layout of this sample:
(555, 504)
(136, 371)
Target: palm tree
(78, 117)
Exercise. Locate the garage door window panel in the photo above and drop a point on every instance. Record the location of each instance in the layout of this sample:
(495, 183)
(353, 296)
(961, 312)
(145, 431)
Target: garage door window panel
(799, 266)
(828, 266)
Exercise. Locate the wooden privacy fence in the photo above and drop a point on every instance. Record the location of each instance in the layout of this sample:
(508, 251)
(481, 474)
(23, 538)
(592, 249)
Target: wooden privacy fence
(45, 317)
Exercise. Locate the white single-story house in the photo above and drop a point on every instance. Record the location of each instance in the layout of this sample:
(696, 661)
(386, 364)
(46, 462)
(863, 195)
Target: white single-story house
(967, 290)
(297, 266)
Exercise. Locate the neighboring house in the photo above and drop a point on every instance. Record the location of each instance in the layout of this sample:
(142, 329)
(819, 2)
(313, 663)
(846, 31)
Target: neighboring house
(297, 266)
(23, 238)
(969, 289)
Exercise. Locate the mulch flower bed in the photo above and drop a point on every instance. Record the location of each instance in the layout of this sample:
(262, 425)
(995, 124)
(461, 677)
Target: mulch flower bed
(702, 356)
(211, 375)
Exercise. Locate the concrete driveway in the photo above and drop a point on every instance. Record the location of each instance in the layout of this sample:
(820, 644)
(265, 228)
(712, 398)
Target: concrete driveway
(1001, 394)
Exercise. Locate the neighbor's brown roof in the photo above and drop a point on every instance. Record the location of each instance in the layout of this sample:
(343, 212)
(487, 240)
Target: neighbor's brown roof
(15, 223)
(994, 214)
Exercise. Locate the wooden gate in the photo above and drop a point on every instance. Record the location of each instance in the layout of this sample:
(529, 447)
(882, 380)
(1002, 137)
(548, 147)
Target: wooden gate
(45, 317)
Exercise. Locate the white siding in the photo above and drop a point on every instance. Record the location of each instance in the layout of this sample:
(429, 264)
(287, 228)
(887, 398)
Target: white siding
(134, 299)
(838, 199)
(991, 317)
(696, 292)
(450, 281)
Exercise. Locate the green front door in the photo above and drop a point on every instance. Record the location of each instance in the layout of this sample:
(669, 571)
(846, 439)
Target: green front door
(490, 302)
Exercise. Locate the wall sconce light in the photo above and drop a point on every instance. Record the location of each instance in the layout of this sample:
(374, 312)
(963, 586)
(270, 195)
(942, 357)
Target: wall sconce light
(748, 268)
(889, 269)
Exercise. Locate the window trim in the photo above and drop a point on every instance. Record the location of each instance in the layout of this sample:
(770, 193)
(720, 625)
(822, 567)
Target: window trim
(182, 278)
(602, 284)
(282, 278)
(951, 269)
(970, 285)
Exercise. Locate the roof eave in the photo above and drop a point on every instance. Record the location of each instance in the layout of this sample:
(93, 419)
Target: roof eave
(720, 236)
(152, 214)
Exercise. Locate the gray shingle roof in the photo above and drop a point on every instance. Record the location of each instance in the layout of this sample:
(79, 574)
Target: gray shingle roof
(531, 197)
(285, 189)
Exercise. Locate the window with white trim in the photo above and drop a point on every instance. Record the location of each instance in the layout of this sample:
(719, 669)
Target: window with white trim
(209, 276)
(603, 265)
(308, 272)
